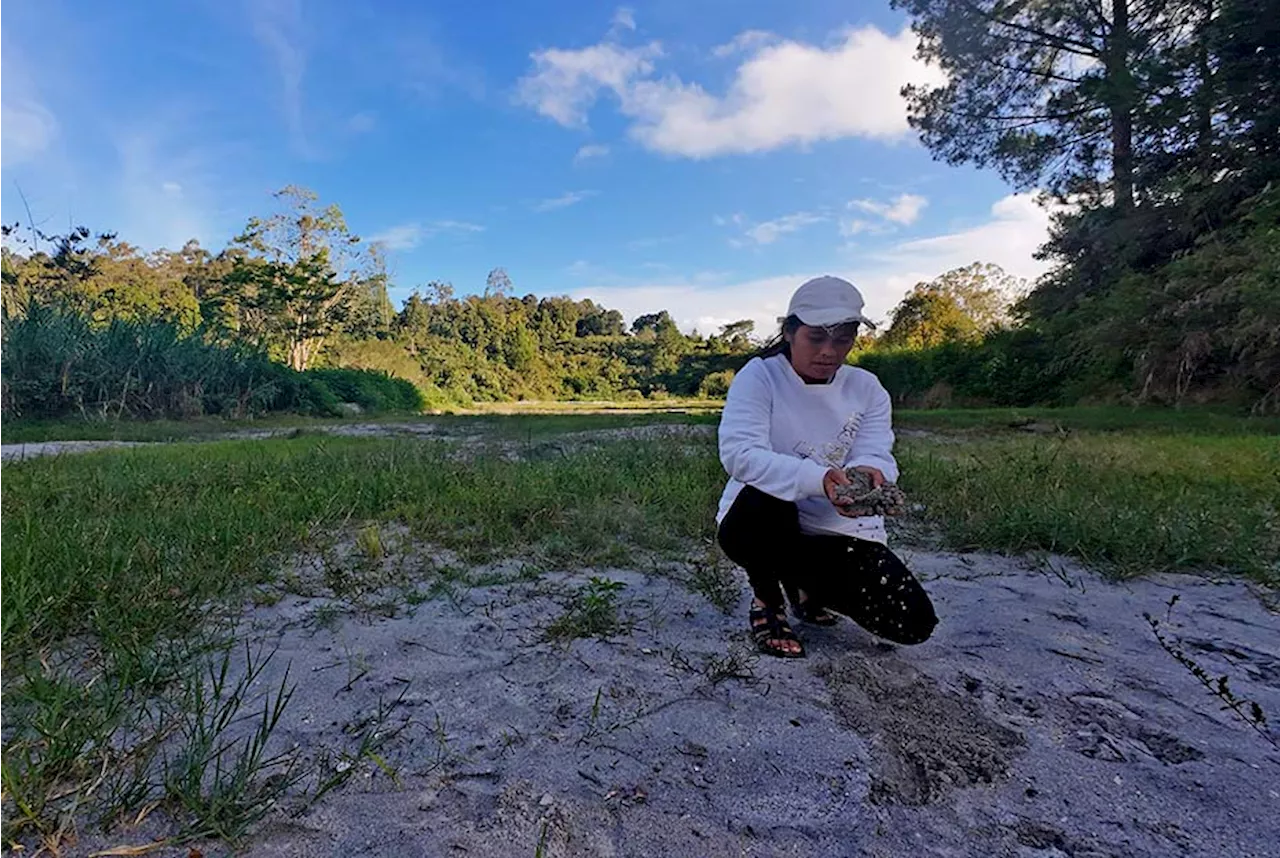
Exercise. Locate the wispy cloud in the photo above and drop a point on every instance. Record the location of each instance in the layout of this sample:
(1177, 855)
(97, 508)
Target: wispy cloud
(644, 243)
(1007, 236)
(407, 236)
(591, 150)
(744, 42)
(769, 231)
(277, 25)
(167, 190)
(905, 209)
(362, 122)
(568, 198)
(624, 18)
(28, 127)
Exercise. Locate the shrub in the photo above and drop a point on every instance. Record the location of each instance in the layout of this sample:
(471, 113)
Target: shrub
(372, 390)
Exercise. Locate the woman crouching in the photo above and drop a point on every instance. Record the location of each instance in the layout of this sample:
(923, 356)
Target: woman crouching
(796, 417)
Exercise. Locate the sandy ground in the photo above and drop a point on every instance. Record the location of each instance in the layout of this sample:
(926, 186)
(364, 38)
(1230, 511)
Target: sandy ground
(1043, 719)
(39, 449)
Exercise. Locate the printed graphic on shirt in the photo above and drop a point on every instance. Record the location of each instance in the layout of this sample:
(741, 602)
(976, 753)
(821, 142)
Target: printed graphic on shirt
(833, 453)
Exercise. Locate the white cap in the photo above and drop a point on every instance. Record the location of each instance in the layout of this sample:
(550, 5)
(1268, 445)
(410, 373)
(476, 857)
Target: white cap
(826, 301)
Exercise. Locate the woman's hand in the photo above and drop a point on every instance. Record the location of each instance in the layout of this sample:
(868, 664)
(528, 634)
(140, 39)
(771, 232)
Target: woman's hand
(844, 505)
(876, 475)
(835, 477)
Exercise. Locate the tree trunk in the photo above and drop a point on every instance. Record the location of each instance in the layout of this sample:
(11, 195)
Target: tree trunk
(1121, 88)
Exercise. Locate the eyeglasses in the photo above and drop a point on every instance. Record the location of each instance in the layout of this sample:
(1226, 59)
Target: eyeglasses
(840, 336)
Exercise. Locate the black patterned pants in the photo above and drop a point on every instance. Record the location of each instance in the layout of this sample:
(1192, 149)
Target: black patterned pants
(860, 579)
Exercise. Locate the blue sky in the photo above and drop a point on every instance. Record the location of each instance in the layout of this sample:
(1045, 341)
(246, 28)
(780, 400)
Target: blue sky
(699, 157)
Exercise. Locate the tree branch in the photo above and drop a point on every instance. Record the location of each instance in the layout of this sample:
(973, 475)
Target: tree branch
(1066, 44)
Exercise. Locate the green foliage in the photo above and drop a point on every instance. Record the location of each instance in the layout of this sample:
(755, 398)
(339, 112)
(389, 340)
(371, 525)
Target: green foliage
(715, 385)
(373, 391)
(1161, 126)
(1009, 367)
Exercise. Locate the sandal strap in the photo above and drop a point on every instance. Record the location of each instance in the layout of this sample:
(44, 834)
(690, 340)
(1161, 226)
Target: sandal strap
(771, 624)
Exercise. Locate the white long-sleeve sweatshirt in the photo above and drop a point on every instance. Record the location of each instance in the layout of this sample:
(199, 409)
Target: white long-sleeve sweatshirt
(782, 435)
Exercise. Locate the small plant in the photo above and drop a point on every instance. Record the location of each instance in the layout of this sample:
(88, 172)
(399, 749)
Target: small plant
(225, 783)
(1247, 711)
(369, 541)
(713, 578)
(592, 612)
(373, 735)
(597, 729)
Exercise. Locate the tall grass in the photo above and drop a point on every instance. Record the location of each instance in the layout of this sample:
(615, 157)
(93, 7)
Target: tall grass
(58, 364)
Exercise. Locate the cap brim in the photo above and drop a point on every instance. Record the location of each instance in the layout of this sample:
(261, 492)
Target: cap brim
(822, 322)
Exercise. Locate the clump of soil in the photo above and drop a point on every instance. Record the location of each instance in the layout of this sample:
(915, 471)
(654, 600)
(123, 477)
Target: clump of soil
(924, 739)
(885, 499)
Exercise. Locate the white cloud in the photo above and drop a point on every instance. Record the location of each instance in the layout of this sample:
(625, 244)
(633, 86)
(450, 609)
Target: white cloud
(591, 150)
(568, 198)
(171, 187)
(1015, 227)
(27, 128)
(784, 93)
(768, 232)
(407, 236)
(743, 43)
(856, 226)
(565, 82)
(904, 210)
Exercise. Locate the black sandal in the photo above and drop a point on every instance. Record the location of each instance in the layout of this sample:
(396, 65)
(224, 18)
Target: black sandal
(806, 611)
(770, 624)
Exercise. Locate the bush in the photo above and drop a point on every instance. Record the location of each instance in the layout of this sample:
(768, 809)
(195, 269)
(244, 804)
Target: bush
(716, 385)
(372, 390)
(57, 363)
(1010, 367)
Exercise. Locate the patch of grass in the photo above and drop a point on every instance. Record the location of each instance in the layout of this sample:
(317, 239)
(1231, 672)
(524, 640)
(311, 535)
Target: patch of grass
(1128, 503)
(1102, 418)
(226, 783)
(712, 577)
(592, 612)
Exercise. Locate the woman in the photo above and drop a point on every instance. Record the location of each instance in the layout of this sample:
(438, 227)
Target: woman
(795, 418)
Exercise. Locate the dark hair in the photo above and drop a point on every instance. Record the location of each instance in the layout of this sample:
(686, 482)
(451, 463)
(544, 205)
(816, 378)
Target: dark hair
(778, 344)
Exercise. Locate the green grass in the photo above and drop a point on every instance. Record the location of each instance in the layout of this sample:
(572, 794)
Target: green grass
(1103, 418)
(1126, 503)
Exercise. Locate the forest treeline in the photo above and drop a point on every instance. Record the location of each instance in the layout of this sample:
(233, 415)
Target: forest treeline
(1153, 124)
